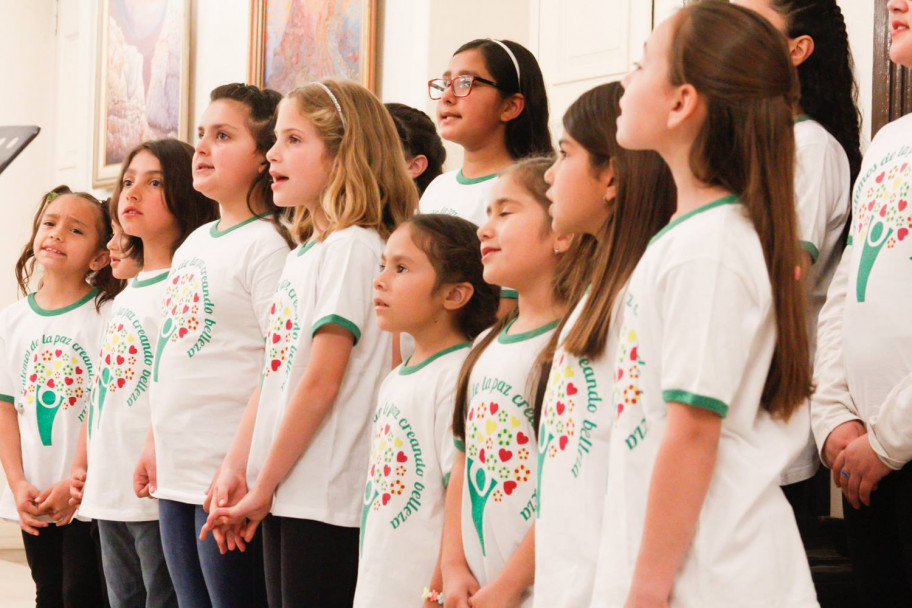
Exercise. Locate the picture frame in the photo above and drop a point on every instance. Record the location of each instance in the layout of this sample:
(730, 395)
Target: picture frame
(142, 79)
(283, 62)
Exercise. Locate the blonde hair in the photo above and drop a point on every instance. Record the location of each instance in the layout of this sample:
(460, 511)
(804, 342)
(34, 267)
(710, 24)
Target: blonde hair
(368, 184)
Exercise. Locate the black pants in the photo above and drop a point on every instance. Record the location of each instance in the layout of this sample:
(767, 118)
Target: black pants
(65, 567)
(309, 564)
(880, 543)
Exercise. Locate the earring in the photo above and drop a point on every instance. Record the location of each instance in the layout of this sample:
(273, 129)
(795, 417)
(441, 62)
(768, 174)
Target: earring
(557, 251)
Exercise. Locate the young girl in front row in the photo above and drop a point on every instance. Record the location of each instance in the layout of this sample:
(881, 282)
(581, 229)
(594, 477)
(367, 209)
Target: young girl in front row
(338, 160)
(431, 286)
(488, 542)
(597, 188)
(158, 208)
(713, 351)
(215, 309)
(47, 345)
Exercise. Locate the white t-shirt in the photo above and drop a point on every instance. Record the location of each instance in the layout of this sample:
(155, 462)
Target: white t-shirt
(498, 494)
(119, 405)
(699, 328)
(822, 185)
(572, 472)
(452, 194)
(215, 309)
(329, 282)
(411, 455)
(46, 371)
(865, 329)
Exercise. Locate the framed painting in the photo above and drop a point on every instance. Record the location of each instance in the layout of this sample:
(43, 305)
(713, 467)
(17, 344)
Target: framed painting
(142, 79)
(293, 42)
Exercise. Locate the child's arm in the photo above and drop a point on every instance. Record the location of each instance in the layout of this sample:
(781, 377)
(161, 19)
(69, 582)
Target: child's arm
(517, 575)
(24, 493)
(458, 583)
(80, 467)
(680, 479)
(309, 404)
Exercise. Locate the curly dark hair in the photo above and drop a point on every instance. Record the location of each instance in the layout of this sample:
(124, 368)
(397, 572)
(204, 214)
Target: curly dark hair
(419, 136)
(829, 93)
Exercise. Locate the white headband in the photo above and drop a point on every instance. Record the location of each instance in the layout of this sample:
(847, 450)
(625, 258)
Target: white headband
(512, 58)
(334, 100)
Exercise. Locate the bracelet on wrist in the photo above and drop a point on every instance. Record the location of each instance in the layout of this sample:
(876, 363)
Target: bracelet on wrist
(432, 595)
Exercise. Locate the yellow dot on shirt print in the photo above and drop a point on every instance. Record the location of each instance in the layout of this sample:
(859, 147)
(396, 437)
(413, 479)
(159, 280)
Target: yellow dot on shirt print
(568, 372)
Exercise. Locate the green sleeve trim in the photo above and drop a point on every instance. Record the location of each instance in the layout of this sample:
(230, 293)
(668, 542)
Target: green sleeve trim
(7, 398)
(468, 181)
(849, 240)
(53, 312)
(707, 403)
(216, 233)
(337, 320)
(802, 118)
(459, 443)
(509, 294)
(446, 480)
(812, 249)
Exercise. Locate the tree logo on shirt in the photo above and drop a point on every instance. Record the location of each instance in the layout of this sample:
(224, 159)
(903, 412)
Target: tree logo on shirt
(497, 453)
(124, 349)
(882, 214)
(186, 310)
(282, 338)
(56, 374)
(395, 451)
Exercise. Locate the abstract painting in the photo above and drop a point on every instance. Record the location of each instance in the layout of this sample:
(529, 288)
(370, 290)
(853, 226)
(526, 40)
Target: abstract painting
(293, 42)
(143, 78)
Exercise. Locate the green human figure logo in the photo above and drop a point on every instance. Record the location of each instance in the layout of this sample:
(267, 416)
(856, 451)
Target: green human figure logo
(882, 217)
(494, 438)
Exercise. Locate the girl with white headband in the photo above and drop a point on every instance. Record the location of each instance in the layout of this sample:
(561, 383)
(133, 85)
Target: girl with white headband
(338, 162)
(491, 100)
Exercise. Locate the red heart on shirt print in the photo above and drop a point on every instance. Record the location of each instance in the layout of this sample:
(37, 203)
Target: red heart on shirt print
(883, 211)
(196, 297)
(401, 457)
(132, 350)
(386, 470)
(522, 438)
(560, 407)
(72, 400)
(620, 374)
(633, 354)
(902, 204)
(182, 332)
(563, 441)
(620, 408)
(121, 382)
(175, 280)
(120, 327)
(274, 364)
(186, 308)
(58, 352)
(276, 338)
(78, 370)
(288, 324)
(68, 381)
(880, 177)
(33, 377)
(571, 389)
(902, 233)
(505, 455)
(481, 456)
(386, 498)
(120, 360)
(108, 359)
(509, 486)
(493, 408)
(386, 429)
(50, 383)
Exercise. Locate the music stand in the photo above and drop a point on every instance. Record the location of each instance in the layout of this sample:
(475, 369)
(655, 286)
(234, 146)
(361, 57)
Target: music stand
(13, 140)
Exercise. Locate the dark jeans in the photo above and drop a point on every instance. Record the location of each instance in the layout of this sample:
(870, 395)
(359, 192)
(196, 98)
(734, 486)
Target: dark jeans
(202, 576)
(64, 566)
(309, 564)
(134, 565)
(880, 543)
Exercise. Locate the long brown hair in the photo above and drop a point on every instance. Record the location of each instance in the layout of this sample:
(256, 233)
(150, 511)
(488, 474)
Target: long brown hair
(368, 184)
(572, 271)
(746, 145)
(103, 280)
(261, 107)
(643, 203)
(190, 208)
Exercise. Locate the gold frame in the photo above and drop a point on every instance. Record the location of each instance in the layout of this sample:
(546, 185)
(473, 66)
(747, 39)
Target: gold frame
(104, 175)
(256, 60)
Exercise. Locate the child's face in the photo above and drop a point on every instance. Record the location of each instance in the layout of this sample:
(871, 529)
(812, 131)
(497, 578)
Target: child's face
(404, 296)
(517, 243)
(142, 209)
(299, 162)
(226, 160)
(122, 266)
(68, 239)
(579, 196)
(901, 38)
(647, 99)
(471, 120)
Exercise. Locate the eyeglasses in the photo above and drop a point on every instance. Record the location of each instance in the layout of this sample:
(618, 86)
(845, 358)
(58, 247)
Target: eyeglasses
(462, 85)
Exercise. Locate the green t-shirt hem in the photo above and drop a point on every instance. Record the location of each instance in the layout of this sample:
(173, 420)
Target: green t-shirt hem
(460, 444)
(812, 249)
